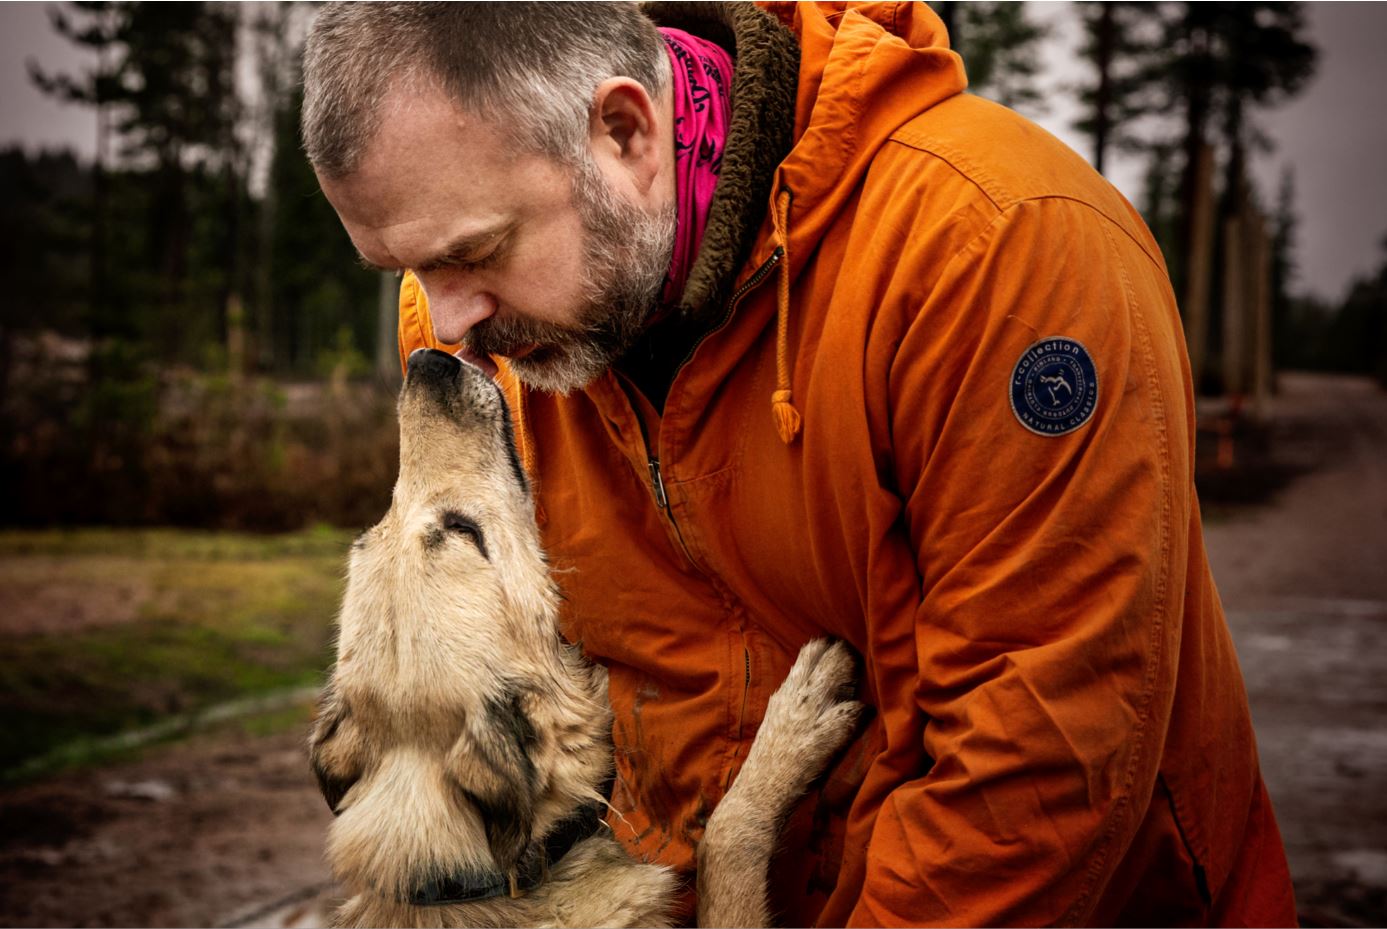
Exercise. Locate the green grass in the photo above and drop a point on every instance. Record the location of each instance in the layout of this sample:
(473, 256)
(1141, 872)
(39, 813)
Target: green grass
(194, 620)
(290, 712)
(175, 543)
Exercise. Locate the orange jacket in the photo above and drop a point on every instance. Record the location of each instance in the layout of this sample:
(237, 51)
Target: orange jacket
(1061, 730)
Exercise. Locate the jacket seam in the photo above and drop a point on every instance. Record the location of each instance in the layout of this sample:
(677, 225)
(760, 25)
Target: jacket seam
(994, 199)
(1191, 831)
(998, 197)
(1155, 650)
(1103, 213)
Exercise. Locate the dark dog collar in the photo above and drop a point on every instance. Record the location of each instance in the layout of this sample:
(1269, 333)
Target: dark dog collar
(529, 872)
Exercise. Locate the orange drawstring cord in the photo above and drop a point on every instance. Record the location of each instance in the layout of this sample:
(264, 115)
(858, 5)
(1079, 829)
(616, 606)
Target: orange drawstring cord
(787, 418)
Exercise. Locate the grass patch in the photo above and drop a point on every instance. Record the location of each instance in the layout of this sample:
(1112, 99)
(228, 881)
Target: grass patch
(257, 717)
(215, 617)
(321, 540)
(274, 722)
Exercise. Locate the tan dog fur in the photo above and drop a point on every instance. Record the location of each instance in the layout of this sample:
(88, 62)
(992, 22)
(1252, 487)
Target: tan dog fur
(457, 725)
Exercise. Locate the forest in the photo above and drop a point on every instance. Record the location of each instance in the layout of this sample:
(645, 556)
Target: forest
(199, 346)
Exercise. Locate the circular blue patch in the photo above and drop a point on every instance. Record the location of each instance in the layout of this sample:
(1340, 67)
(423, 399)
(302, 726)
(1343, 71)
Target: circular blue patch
(1054, 386)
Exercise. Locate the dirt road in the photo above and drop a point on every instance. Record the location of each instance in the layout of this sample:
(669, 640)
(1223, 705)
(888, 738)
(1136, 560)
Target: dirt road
(211, 831)
(198, 834)
(1304, 580)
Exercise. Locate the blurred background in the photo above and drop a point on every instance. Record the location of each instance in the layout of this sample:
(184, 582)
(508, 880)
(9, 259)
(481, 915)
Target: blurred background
(196, 416)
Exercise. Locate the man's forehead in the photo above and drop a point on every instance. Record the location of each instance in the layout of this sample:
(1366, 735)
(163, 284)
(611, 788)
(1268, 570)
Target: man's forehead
(435, 180)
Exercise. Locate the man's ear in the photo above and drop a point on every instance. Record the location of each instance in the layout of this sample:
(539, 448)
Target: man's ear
(624, 131)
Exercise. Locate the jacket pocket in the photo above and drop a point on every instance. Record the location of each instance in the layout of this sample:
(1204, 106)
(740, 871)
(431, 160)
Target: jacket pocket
(1201, 876)
(1160, 880)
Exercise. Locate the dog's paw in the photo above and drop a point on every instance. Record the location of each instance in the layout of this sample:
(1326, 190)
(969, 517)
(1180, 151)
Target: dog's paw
(810, 717)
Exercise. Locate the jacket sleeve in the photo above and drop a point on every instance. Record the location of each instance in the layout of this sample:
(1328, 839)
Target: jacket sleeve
(1051, 571)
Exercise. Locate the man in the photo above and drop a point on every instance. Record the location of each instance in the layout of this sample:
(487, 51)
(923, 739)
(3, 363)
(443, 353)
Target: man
(904, 371)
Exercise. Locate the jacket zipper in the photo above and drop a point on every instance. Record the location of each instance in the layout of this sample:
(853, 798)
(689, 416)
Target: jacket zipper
(657, 480)
(652, 462)
(746, 684)
(759, 275)
(657, 484)
(741, 715)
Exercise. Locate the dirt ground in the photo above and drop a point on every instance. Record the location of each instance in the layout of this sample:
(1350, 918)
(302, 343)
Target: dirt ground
(1303, 578)
(205, 833)
(227, 829)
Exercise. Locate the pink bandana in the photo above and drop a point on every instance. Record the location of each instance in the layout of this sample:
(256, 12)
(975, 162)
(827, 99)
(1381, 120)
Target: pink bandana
(702, 110)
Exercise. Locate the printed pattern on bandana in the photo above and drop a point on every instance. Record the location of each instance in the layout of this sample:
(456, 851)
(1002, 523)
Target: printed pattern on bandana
(702, 110)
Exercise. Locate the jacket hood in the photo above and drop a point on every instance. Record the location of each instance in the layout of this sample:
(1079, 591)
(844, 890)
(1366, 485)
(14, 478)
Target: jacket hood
(865, 71)
(817, 90)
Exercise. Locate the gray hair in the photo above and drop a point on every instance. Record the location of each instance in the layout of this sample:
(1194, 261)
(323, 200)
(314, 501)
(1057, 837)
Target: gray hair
(529, 68)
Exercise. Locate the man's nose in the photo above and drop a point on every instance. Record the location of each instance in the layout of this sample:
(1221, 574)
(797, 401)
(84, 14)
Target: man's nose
(456, 304)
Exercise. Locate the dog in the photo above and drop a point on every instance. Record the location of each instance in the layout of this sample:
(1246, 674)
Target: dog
(464, 746)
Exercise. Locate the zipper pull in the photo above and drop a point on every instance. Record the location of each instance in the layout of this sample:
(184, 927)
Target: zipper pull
(658, 484)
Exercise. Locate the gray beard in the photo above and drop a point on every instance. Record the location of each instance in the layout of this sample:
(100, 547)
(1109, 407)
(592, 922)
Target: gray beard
(626, 254)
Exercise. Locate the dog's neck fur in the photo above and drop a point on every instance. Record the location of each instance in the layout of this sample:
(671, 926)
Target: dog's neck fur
(559, 819)
(632, 894)
(546, 886)
(530, 871)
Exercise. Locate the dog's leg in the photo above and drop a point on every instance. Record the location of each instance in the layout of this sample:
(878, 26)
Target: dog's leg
(809, 718)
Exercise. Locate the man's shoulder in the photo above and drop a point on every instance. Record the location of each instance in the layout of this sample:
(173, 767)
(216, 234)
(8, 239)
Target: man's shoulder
(1005, 159)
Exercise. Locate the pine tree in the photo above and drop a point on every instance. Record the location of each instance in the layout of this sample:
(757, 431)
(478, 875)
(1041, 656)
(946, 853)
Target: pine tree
(1283, 265)
(91, 26)
(168, 109)
(1000, 45)
(1228, 59)
(1121, 39)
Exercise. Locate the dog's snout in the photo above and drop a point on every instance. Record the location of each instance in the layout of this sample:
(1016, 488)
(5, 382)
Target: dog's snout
(435, 377)
(433, 365)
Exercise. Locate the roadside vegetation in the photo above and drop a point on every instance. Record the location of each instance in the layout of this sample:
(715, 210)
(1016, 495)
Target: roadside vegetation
(109, 631)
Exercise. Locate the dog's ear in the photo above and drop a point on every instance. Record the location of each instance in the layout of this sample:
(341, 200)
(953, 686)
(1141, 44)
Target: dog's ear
(335, 750)
(492, 768)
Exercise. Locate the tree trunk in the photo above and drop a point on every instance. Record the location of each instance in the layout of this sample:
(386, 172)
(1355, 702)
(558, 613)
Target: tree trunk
(231, 289)
(1199, 263)
(1263, 372)
(1196, 116)
(948, 12)
(1106, 37)
(387, 324)
(1235, 187)
(173, 220)
(1235, 309)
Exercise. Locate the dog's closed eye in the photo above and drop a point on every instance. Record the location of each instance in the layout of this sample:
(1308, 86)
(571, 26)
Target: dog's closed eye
(458, 524)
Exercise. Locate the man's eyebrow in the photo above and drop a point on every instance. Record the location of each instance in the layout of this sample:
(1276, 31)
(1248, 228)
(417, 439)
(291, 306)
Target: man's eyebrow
(457, 251)
(464, 248)
(370, 265)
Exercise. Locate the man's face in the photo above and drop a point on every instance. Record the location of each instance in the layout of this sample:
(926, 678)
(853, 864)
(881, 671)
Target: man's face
(520, 256)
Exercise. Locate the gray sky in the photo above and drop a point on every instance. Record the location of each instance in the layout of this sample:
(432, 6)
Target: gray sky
(1334, 135)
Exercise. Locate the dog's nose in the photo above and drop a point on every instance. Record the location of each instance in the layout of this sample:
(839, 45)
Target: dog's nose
(432, 365)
